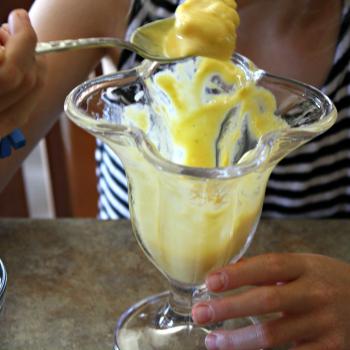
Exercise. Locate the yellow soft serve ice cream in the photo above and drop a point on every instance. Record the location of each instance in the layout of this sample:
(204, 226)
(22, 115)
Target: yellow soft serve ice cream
(203, 106)
(201, 113)
(204, 28)
(199, 28)
(204, 113)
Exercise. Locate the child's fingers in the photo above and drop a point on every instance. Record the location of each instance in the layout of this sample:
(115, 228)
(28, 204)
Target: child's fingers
(18, 57)
(4, 35)
(6, 29)
(2, 54)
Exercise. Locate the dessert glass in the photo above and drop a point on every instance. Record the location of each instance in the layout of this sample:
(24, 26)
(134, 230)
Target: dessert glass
(190, 220)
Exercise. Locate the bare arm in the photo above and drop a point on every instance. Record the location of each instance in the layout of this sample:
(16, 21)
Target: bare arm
(62, 19)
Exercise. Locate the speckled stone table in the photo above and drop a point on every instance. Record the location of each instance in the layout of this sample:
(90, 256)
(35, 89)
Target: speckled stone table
(69, 280)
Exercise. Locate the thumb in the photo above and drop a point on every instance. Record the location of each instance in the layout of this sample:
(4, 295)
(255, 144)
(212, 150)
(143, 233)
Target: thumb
(18, 20)
(20, 45)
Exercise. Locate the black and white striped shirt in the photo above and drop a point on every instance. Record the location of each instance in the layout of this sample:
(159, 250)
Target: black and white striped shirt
(312, 182)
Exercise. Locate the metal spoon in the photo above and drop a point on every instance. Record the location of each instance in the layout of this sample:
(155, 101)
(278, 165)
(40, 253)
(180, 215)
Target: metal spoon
(147, 41)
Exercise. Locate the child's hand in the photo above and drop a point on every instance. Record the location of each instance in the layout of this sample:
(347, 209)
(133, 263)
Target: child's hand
(21, 72)
(311, 293)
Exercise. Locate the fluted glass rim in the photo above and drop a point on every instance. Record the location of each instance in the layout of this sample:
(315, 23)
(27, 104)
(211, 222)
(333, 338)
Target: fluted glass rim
(262, 150)
(3, 281)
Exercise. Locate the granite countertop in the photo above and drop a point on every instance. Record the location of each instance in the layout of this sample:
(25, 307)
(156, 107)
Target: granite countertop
(69, 280)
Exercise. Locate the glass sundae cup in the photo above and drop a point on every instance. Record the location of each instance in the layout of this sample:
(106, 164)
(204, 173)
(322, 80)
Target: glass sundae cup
(190, 220)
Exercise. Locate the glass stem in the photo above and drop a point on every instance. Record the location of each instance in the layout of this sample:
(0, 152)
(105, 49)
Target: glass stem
(178, 309)
(180, 299)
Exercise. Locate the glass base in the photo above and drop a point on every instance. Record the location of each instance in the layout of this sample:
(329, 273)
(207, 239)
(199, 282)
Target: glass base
(152, 325)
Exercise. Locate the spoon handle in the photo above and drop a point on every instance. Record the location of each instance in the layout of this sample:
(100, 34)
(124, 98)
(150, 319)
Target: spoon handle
(75, 44)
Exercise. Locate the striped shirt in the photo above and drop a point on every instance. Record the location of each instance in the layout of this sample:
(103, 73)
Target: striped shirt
(313, 182)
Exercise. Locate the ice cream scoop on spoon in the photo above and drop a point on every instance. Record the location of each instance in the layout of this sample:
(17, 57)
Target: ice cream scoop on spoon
(199, 28)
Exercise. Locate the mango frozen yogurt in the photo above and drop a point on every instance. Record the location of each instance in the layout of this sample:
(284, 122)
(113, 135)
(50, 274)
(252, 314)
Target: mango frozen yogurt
(204, 28)
(206, 113)
(201, 113)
